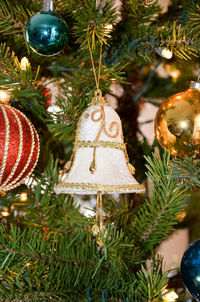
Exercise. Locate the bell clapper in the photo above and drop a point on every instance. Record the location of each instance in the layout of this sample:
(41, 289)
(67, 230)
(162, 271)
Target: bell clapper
(93, 163)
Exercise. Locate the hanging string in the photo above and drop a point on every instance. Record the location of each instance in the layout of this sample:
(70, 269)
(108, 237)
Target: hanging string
(100, 62)
(94, 71)
(97, 78)
(99, 201)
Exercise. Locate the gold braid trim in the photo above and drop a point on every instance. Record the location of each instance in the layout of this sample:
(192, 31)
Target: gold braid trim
(102, 188)
(104, 144)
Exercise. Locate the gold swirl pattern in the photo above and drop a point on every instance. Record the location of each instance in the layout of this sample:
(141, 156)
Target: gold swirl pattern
(95, 112)
(102, 128)
(112, 125)
(103, 124)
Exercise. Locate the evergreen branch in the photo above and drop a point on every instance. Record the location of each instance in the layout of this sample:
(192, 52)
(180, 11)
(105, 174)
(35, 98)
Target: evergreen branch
(156, 217)
(143, 12)
(151, 282)
(62, 265)
(186, 170)
(194, 19)
(12, 18)
(91, 21)
(12, 74)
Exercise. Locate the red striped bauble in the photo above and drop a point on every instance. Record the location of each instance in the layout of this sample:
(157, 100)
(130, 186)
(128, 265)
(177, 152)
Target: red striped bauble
(19, 148)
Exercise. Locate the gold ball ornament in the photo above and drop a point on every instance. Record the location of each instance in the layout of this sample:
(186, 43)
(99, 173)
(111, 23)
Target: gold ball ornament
(177, 123)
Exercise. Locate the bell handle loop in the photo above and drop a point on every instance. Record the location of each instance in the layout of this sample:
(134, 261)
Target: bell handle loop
(98, 93)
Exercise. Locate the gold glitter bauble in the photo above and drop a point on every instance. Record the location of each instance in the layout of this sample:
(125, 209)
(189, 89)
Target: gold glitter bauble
(177, 123)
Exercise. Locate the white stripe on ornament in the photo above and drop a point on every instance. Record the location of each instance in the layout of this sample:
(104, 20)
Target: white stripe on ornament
(6, 145)
(20, 147)
(14, 183)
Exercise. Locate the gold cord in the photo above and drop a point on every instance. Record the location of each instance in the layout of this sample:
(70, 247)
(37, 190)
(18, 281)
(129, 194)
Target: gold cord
(103, 144)
(100, 62)
(97, 78)
(92, 60)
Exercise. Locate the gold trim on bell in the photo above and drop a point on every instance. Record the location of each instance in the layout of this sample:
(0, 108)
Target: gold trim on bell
(102, 188)
(103, 144)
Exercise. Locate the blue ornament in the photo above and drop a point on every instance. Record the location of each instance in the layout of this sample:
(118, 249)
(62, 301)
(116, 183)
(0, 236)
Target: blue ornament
(46, 33)
(190, 269)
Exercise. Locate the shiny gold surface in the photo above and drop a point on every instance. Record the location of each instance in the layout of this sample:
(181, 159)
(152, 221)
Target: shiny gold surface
(177, 123)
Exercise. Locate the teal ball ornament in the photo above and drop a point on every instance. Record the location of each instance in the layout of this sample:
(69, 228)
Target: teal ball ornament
(190, 269)
(47, 33)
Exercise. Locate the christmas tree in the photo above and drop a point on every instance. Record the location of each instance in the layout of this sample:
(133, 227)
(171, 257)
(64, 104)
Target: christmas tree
(137, 53)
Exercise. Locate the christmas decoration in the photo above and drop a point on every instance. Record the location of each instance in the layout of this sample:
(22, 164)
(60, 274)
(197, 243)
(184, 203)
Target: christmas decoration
(24, 63)
(169, 296)
(23, 196)
(51, 90)
(177, 123)
(19, 146)
(190, 272)
(164, 52)
(100, 158)
(47, 94)
(46, 32)
(100, 161)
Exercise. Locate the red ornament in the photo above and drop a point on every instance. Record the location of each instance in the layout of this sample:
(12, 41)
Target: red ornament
(19, 148)
(47, 94)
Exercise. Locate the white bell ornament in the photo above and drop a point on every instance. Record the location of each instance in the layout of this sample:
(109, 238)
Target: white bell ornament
(100, 162)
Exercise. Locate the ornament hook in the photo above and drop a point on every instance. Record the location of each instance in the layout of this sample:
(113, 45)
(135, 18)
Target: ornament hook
(98, 99)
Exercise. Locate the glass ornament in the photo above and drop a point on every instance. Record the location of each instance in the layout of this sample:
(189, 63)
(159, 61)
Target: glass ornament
(19, 147)
(190, 269)
(47, 32)
(177, 123)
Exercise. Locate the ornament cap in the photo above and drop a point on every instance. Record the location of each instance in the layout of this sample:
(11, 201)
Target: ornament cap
(98, 99)
(195, 85)
(48, 6)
